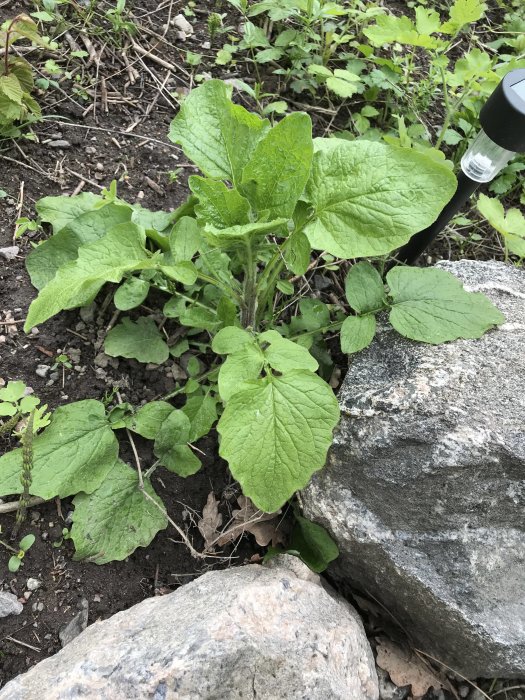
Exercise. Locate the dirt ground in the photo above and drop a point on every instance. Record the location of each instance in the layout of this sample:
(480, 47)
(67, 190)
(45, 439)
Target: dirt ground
(82, 147)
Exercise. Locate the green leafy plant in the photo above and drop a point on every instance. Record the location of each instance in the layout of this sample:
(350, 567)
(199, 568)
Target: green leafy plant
(17, 105)
(16, 560)
(270, 202)
(510, 224)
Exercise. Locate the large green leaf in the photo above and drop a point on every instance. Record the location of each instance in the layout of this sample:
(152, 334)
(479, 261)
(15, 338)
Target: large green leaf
(431, 306)
(364, 288)
(218, 136)
(71, 232)
(140, 340)
(276, 433)
(73, 454)
(218, 205)
(202, 412)
(284, 355)
(148, 420)
(357, 332)
(370, 198)
(463, 12)
(233, 235)
(275, 177)
(61, 211)
(77, 283)
(243, 365)
(171, 445)
(131, 294)
(184, 239)
(110, 523)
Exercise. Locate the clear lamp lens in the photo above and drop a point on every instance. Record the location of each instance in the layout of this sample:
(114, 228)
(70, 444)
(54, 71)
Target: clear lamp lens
(484, 159)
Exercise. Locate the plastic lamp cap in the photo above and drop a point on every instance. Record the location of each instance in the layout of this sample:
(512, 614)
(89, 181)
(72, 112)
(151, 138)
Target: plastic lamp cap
(502, 117)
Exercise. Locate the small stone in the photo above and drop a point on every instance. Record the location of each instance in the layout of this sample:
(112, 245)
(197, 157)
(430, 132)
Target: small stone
(101, 360)
(54, 376)
(37, 607)
(90, 150)
(99, 167)
(42, 370)
(96, 598)
(75, 626)
(463, 690)
(206, 45)
(2, 339)
(35, 331)
(27, 595)
(9, 604)
(182, 23)
(33, 584)
(87, 313)
(59, 143)
(10, 252)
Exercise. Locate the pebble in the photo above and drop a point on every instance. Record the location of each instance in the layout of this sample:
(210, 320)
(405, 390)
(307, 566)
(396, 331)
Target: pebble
(76, 626)
(10, 252)
(96, 598)
(2, 339)
(37, 607)
(35, 331)
(182, 23)
(33, 584)
(101, 360)
(90, 150)
(9, 604)
(42, 370)
(59, 143)
(87, 313)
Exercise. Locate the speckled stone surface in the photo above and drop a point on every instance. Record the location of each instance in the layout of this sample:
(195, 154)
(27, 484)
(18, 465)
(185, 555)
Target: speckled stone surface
(424, 490)
(249, 632)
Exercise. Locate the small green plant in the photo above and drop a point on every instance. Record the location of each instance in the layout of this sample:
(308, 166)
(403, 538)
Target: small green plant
(16, 560)
(120, 24)
(215, 25)
(270, 202)
(17, 105)
(16, 404)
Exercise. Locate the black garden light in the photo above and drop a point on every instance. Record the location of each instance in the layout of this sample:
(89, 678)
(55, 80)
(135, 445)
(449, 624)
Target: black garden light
(502, 135)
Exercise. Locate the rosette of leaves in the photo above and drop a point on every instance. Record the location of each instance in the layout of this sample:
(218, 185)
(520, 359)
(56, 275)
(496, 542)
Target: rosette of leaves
(267, 197)
(17, 105)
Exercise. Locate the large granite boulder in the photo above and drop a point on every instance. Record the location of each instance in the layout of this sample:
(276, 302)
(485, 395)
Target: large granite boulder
(424, 490)
(249, 632)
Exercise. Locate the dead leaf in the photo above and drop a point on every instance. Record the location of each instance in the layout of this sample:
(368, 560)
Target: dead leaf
(263, 526)
(405, 668)
(211, 521)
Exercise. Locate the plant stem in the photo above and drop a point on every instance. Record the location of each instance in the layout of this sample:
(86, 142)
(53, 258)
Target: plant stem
(8, 426)
(8, 546)
(26, 477)
(249, 306)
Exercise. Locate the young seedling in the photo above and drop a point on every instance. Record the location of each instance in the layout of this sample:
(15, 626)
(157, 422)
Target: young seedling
(16, 561)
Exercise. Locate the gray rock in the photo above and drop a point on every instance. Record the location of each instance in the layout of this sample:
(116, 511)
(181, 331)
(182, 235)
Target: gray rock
(424, 490)
(248, 632)
(42, 370)
(76, 626)
(33, 584)
(10, 252)
(9, 604)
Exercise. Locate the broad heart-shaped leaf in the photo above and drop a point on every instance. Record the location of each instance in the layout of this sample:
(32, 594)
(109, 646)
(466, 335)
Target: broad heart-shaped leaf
(184, 239)
(131, 293)
(110, 523)
(73, 454)
(233, 235)
(364, 288)
(431, 306)
(275, 177)
(276, 433)
(61, 211)
(202, 412)
(218, 205)
(284, 355)
(218, 136)
(14, 391)
(171, 445)
(313, 543)
(148, 420)
(370, 198)
(244, 365)
(77, 283)
(357, 332)
(139, 340)
(229, 339)
(89, 226)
